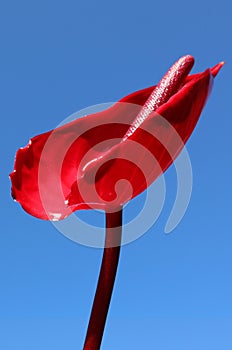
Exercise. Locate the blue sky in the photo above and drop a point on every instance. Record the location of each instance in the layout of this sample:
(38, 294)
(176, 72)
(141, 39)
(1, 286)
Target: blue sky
(172, 291)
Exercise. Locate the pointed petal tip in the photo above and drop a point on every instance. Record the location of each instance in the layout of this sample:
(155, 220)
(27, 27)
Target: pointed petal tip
(217, 68)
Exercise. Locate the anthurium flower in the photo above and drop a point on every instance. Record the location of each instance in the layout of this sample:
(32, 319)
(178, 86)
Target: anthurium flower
(77, 166)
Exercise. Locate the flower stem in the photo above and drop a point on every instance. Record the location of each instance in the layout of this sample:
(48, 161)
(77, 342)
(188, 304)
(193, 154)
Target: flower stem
(105, 281)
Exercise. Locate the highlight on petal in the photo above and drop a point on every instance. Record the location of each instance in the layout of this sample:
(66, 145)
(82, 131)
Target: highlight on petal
(105, 159)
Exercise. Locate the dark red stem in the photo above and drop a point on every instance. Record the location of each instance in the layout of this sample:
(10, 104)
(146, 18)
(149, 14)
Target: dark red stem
(105, 281)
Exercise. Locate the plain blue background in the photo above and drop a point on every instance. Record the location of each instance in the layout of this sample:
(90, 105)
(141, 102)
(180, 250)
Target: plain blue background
(172, 291)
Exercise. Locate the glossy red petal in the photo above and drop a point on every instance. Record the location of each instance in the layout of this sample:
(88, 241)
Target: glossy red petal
(50, 178)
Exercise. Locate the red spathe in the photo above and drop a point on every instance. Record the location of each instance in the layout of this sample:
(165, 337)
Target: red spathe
(77, 166)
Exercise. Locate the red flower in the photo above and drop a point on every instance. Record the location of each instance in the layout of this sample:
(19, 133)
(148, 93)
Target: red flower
(77, 166)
